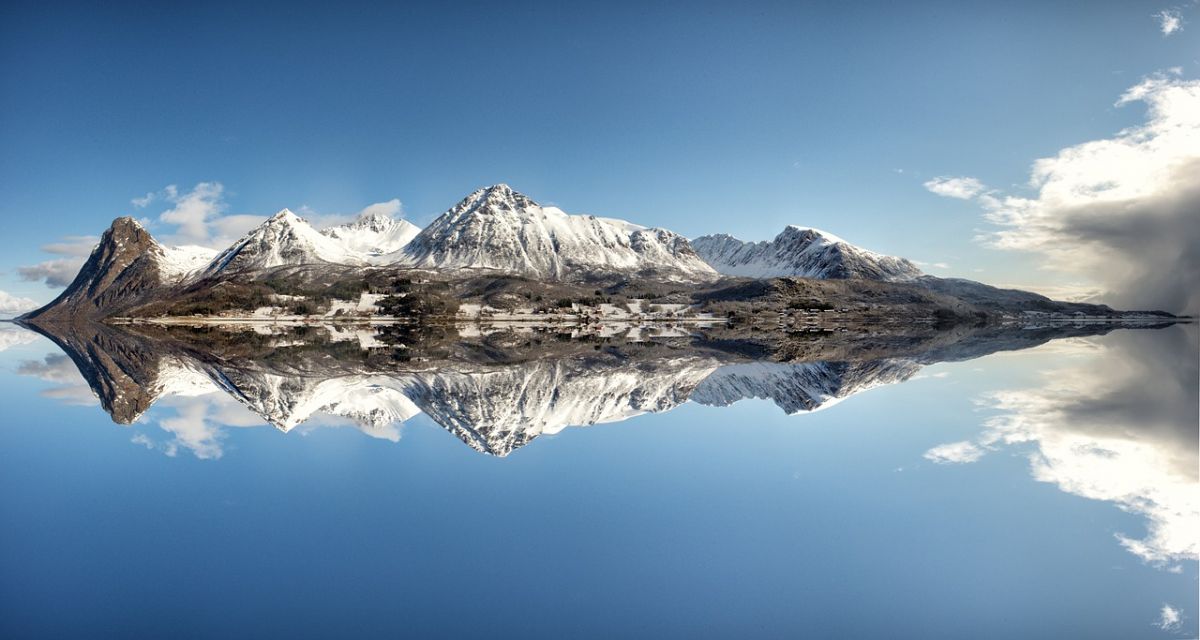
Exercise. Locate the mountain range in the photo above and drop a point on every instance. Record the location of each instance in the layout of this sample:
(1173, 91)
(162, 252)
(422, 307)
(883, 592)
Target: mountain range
(493, 232)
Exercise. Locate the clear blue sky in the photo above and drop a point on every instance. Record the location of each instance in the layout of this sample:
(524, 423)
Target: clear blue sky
(697, 118)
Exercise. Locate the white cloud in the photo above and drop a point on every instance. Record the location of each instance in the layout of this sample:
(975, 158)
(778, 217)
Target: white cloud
(145, 200)
(963, 188)
(193, 211)
(14, 305)
(392, 209)
(1169, 618)
(954, 453)
(1169, 21)
(1121, 213)
(193, 430)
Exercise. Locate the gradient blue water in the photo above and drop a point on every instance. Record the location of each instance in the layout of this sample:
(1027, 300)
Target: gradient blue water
(699, 522)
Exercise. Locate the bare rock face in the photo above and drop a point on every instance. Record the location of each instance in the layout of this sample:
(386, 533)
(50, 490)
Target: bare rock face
(123, 271)
(121, 368)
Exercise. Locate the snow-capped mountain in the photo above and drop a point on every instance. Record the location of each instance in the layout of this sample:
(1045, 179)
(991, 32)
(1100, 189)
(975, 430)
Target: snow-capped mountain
(501, 230)
(285, 239)
(376, 237)
(806, 253)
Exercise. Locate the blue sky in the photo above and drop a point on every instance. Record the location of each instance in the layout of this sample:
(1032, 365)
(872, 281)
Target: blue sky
(699, 118)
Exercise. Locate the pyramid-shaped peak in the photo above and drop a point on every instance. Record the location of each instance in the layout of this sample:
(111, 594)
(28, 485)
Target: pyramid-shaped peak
(498, 196)
(285, 214)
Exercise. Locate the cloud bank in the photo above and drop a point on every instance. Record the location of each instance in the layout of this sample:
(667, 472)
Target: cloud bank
(1118, 425)
(14, 336)
(1121, 212)
(11, 305)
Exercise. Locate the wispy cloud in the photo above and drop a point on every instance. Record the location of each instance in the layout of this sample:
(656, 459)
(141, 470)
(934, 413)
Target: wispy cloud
(76, 246)
(1123, 212)
(961, 187)
(70, 387)
(59, 272)
(392, 209)
(954, 453)
(1169, 21)
(1169, 618)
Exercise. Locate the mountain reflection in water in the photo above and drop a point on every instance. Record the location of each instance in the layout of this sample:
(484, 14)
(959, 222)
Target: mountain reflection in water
(494, 390)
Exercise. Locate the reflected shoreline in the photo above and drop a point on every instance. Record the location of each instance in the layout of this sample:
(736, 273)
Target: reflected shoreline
(496, 388)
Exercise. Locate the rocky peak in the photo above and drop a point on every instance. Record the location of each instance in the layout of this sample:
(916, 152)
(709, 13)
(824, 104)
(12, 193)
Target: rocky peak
(498, 197)
(121, 271)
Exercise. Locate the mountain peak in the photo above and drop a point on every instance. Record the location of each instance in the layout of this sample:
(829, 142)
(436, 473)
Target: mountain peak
(499, 229)
(284, 239)
(374, 236)
(800, 251)
(496, 197)
(285, 215)
(808, 233)
(126, 222)
(122, 270)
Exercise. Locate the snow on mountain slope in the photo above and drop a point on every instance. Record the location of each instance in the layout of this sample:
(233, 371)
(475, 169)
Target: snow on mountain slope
(371, 402)
(500, 229)
(807, 253)
(285, 239)
(497, 410)
(178, 263)
(377, 238)
(807, 386)
(494, 410)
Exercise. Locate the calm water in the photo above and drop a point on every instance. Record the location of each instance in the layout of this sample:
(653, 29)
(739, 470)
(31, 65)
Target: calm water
(1049, 492)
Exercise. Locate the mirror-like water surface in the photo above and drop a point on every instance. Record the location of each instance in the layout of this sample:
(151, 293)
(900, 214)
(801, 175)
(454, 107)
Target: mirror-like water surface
(327, 481)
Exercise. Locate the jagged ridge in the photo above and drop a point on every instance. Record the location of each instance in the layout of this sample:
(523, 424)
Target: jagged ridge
(805, 253)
